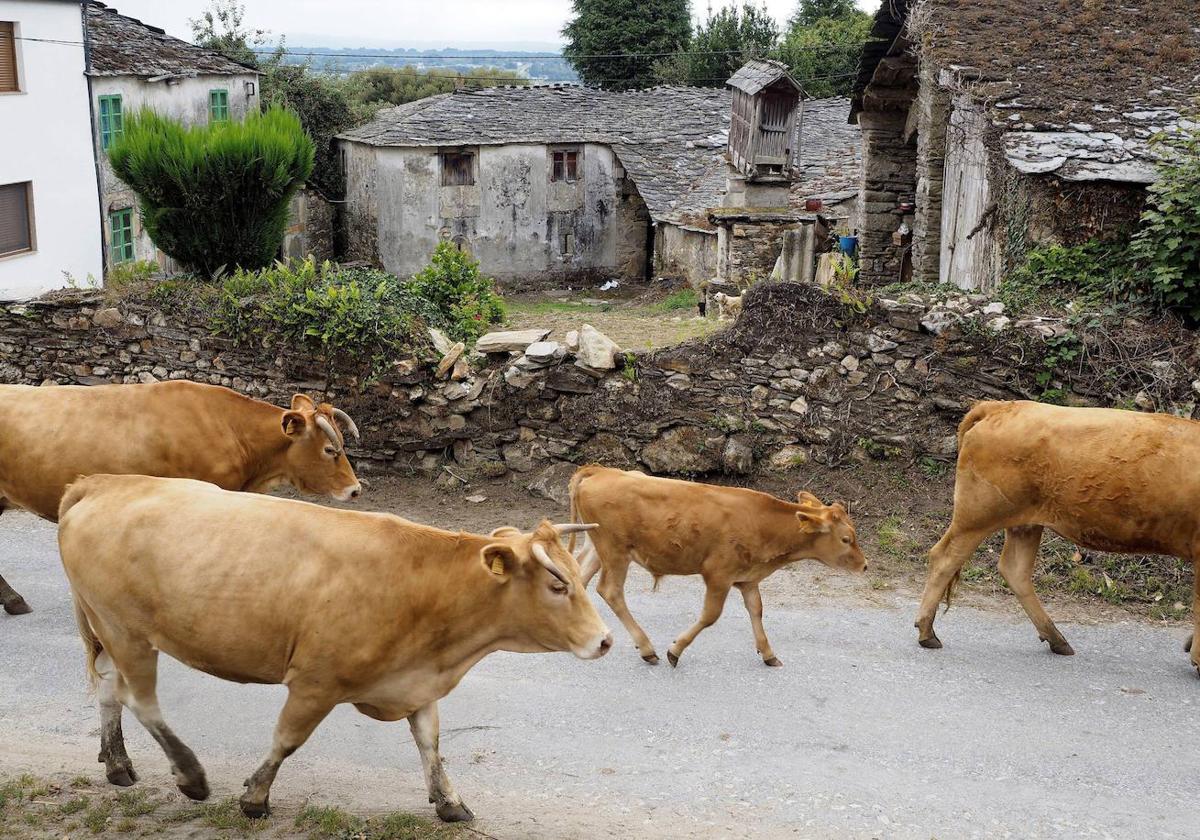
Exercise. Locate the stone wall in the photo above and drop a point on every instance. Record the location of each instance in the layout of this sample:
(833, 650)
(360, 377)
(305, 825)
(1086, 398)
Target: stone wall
(310, 228)
(888, 179)
(800, 376)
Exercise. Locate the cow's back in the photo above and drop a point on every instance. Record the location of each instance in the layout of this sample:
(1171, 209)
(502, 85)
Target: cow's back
(1110, 479)
(54, 434)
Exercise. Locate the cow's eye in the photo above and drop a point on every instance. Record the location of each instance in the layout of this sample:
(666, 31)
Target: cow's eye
(330, 451)
(846, 540)
(558, 588)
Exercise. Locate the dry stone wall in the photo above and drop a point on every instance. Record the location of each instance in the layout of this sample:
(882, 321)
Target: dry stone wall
(801, 376)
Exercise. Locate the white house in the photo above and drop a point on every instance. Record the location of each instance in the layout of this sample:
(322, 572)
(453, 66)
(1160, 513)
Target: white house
(49, 232)
(133, 65)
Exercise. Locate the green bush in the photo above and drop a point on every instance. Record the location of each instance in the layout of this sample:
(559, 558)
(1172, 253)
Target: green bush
(215, 195)
(1093, 273)
(1168, 242)
(453, 284)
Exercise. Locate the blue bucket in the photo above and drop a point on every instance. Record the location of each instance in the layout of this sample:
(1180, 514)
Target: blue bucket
(848, 245)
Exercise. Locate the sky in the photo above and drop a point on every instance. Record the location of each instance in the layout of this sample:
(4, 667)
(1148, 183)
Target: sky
(535, 24)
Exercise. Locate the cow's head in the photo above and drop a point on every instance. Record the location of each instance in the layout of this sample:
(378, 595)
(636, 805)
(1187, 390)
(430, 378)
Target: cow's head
(543, 604)
(316, 457)
(829, 534)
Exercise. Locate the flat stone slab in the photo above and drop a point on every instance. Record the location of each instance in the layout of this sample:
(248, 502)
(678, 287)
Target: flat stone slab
(509, 340)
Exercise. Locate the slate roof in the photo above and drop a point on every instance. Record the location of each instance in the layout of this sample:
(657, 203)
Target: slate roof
(830, 157)
(124, 46)
(757, 74)
(1074, 89)
(671, 140)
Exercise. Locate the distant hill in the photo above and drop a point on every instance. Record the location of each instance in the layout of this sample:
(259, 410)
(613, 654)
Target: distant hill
(542, 66)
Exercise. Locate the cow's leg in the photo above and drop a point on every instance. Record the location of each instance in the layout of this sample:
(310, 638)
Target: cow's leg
(946, 560)
(138, 666)
(714, 603)
(424, 725)
(753, 600)
(12, 601)
(117, 766)
(1194, 649)
(1016, 565)
(301, 714)
(612, 589)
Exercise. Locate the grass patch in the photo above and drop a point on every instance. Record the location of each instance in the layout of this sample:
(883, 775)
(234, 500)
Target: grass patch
(74, 806)
(891, 539)
(332, 823)
(676, 301)
(553, 307)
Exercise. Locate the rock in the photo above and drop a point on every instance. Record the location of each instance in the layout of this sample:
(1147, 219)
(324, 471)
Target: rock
(938, 321)
(517, 458)
(146, 377)
(108, 318)
(738, 457)
(850, 363)
(492, 469)
(1144, 401)
(570, 379)
(463, 451)
(440, 342)
(679, 381)
(572, 340)
(684, 449)
(545, 352)
(596, 350)
(878, 344)
(448, 360)
(834, 349)
(995, 308)
(461, 369)
(787, 458)
(476, 499)
(607, 449)
(551, 483)
(798, 406)
(1000, 324)
(518, 378)
(509, 341)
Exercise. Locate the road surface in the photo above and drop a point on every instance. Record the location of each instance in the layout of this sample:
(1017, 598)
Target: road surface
(862, 734)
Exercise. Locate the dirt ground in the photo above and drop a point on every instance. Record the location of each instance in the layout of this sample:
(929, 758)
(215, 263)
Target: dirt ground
(636, 318)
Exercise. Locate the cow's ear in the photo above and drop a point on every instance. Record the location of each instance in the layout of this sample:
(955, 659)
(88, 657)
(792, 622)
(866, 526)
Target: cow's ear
(812, 523)
(499, 559)
(808, 499)
(301, 402)
(293, 423)
(505, 531)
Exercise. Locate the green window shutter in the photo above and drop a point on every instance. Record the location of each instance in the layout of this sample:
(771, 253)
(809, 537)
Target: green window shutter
(112, 120)
(218, 105)
(121, 223)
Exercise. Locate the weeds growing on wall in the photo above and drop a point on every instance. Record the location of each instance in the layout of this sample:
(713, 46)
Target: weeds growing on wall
(453, 284)
(1094, 274)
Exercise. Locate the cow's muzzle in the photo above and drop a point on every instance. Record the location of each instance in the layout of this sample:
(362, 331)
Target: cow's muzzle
(350, 493)
(597, 647)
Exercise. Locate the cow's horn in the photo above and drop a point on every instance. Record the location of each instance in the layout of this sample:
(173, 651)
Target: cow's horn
(344, 418)
(544, 558)
(576, 527)
(329, 431)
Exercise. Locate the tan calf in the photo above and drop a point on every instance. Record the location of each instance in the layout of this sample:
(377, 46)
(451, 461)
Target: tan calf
(730, 536)
(1105, 479)
(339, 606)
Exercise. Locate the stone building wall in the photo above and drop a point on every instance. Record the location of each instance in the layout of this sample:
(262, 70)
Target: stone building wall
(798, 377)
(888, 179)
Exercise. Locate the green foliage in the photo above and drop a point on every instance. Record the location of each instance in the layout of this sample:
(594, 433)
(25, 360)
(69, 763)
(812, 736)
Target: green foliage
(453, 284)
(823, 52)
(369, 90)
(720, 45)
(809, 12)
(684, 299)
(222, 28)
(123, 275)
(215, 195)
(1094, 274)
(1058, 355)
(1168, 241)
(602, 34)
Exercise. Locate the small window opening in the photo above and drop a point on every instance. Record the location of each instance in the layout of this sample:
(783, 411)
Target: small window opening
(458, 169)
(564, 165)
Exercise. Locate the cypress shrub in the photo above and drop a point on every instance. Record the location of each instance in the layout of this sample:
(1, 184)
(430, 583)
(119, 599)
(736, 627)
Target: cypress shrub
(215, 196)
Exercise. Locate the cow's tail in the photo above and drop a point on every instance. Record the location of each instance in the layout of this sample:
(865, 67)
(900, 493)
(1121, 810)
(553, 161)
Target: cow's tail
(91, 643)
(573, 493)
(74, 492)
(979, 411)
(951, 587)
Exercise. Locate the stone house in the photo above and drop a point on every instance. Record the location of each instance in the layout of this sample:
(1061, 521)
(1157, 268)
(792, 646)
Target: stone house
(556, 184)
(133, 65)
(989, 129)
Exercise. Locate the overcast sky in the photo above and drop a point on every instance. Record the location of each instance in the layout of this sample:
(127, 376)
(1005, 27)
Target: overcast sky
(384, 22)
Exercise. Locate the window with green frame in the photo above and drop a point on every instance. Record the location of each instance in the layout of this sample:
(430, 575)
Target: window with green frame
(218, 105)
(121, 223)
(112, 119)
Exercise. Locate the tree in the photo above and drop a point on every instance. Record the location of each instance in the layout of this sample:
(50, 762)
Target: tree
(809, 12)
(222, 28)
(215, 195)
(611, 42)
(378, 87)
(722, 44)
(823, 55)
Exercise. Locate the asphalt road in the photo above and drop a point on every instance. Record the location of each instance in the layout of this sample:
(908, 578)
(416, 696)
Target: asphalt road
(861, 734)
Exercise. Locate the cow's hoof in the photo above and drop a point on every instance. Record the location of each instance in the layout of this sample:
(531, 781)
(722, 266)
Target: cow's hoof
(932, 643)
(673, 659)
(1062, 648)
(256, 810)
(198, 790)
(452, 812)
(121, 776)
(17, 607)
(652, 659)
(773, 662)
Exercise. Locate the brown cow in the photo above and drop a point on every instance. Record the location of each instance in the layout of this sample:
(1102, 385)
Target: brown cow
(729, 535)
(339, 606)
(1105, 479)
(181, 429)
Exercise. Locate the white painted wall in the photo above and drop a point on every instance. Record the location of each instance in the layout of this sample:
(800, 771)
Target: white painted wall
(185, 100)
(45, 138)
